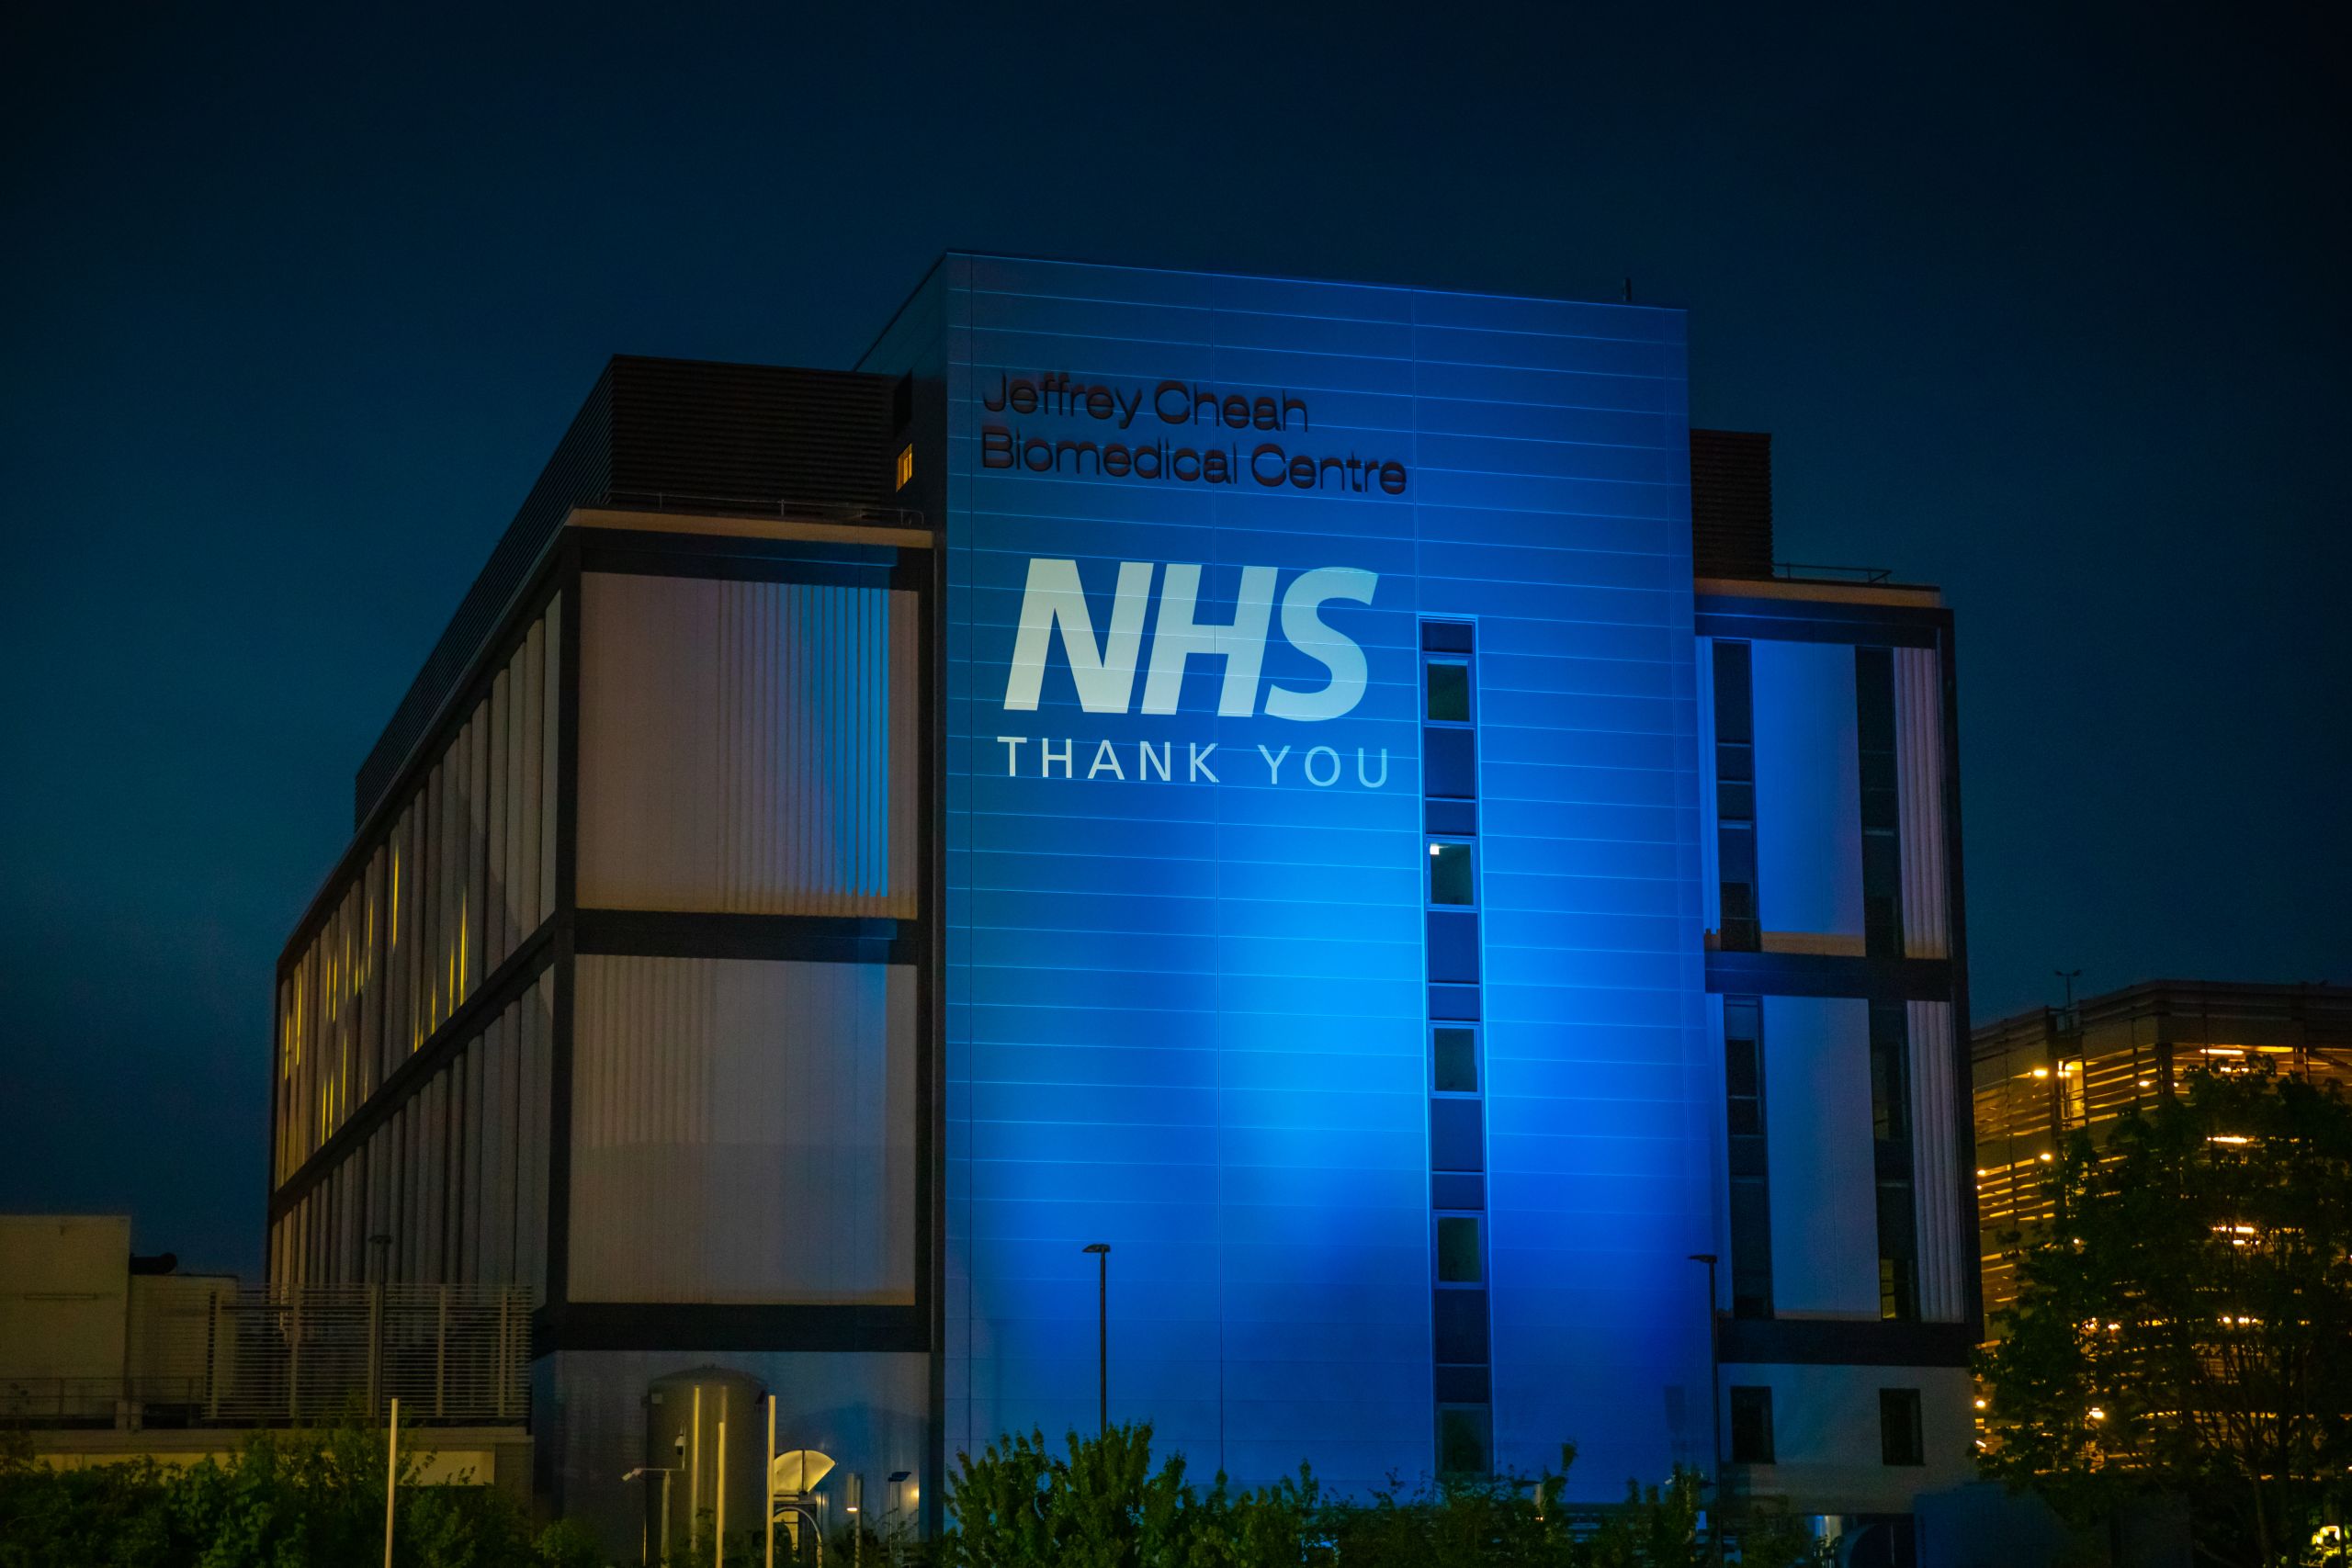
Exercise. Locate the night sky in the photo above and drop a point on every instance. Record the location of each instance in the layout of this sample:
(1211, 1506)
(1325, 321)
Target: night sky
(2049, 312)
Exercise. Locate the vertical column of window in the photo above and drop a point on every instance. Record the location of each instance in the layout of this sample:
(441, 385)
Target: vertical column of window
(1459, 1319)
(1882, 836)
(1901, 1437)
(1751, 1199)
(2074, 1095)
(1898, 1246)
(399, 904)
(1751, 1425)
(371, 1015)
(285, 1111)
(1735, 800)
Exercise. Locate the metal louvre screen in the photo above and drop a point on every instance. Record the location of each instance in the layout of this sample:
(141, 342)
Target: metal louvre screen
(461, 875)
(743, 1132)
(1943, 1241)
(305, 1355)
(1919, 716)
(748, 747)
(454, 1174)
(1730, 502)
(456, 1353)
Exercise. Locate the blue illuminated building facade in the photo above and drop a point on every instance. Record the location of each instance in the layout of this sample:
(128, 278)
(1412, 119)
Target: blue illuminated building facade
(1317, 788)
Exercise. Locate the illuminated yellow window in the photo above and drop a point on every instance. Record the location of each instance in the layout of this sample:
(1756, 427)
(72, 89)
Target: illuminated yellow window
(2073, 1099)
(906, 466)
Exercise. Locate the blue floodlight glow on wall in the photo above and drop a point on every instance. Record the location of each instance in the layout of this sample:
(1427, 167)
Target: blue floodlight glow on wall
(1195, 524)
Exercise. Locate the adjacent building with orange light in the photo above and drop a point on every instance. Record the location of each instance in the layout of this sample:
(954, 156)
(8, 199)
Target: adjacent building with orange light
(2045, 1074)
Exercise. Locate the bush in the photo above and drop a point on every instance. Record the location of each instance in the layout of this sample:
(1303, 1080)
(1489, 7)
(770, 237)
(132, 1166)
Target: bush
(287, 1500)
(1103, 1504)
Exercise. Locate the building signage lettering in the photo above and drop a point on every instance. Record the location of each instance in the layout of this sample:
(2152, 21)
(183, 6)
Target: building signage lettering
(1149, 453)
(1102, 668)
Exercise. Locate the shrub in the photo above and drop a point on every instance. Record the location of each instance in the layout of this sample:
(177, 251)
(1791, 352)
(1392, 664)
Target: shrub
(1103, 1504)
(287, 1500)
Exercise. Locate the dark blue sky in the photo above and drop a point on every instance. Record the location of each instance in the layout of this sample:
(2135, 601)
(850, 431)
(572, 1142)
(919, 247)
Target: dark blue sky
(2048, 309)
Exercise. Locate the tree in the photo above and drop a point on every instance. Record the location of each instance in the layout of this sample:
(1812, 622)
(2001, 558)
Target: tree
(2185, 1324)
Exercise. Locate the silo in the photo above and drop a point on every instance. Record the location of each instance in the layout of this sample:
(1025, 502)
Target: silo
(683, 1413)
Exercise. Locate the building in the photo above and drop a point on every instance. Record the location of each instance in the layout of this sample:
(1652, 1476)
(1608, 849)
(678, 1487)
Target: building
(1245, 771)
(106, 1357)
(89, 1332)
(2045, 1074)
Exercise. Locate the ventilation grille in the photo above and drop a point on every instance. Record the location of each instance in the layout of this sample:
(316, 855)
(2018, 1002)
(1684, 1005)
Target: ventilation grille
(749, 433)
(1731, 504)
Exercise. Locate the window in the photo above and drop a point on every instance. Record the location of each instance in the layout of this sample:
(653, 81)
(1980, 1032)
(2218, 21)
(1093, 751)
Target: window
(1898, 1262)
(1735, 800)
(906, 468)
(1464, 1438)
(1881, 846)
(1450, 763)
(1898, 1292)
(1458, 1260)
(1449, 692)
(1457, 1139)
(1751, 1208)
(1453, 946)
(2074, 1096)
(1742, 930)
(1458, 1326)
(1735, 700)
(1450, 875)
(1751, 1231)
(1456, 1055)
(1900, 1439)
(1890, 1074)
(1459, 1329)
(1751, 1425)
(1742, 1070)
(1898, 1268)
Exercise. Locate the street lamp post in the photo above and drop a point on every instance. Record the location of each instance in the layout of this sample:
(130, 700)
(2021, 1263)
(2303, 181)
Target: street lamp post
(380, 1246)
(644, 1552)
(893, 1508)
(1715, 1405)
(1102, 1250)
(392, 1478)
(816, 1526)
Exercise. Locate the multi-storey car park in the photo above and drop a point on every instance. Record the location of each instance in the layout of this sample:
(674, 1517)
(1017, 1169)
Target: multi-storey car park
(2043, 1074)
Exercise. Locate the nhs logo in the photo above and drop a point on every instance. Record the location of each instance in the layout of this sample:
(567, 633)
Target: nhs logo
(1104, 663)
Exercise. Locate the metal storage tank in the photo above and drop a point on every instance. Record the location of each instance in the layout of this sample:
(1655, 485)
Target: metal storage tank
(683, 1412)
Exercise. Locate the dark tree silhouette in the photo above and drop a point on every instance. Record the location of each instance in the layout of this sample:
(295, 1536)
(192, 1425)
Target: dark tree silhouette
(2184, 1326)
